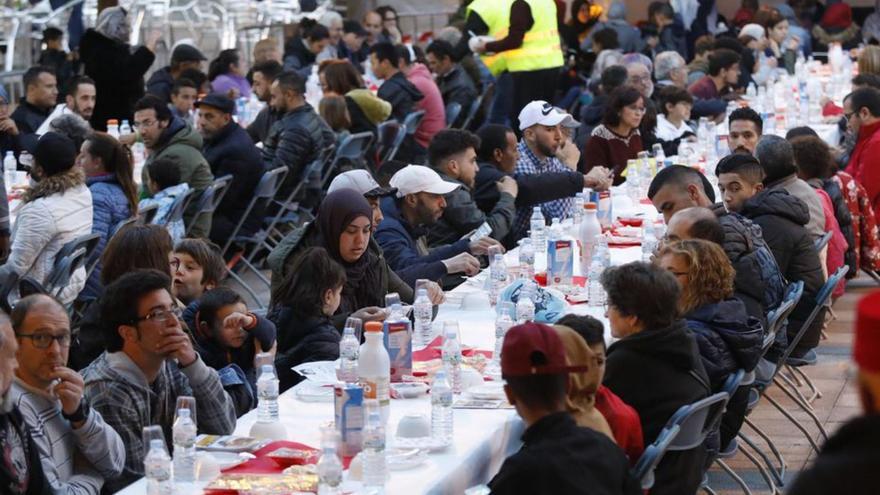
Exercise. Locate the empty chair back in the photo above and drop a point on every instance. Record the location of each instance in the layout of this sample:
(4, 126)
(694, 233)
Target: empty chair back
(412, 121)
(453, 110)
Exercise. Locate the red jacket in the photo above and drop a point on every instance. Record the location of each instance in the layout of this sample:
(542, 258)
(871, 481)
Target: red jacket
(624, 422)
(864, 163)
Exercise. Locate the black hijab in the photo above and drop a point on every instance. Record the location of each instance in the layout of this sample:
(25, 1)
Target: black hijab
(337, 211)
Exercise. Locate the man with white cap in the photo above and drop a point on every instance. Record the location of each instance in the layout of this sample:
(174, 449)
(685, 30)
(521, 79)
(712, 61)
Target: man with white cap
(542, 138)
(418, 204)
(364, 183)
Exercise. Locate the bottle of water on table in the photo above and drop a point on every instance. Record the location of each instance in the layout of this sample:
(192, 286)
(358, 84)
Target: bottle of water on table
(441, 407)
(498, 274)
(157, 469)
(538, 226)
(423, 311)
(527, 258)
(267, 395)
(595, 291)
(649, 241)
(10, 165)
(503, 322)
(348, 356)
(373, 453)
(329, 466)
(525, 306)
(451, 355)
(184, 434)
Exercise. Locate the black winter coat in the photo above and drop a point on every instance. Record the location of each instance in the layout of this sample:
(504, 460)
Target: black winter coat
(294, 142)
(231, 152)
(302, 340)
(28, 119)
(657, 371)
(118, 72)
(262, 124)
(160, 84)
(456, 87)
(782, 218)
(402, 95)
(847, 462)
(297, 56)
(533, 189)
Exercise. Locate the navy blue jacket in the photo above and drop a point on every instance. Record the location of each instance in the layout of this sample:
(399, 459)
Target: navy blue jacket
(399, 241)
(232, 152)
(109, 207)
(160, 84)
(302, 340)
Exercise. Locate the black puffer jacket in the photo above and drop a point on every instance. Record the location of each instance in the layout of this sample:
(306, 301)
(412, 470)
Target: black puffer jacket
(456, 87)
(302, 340)
(402, 95)
(295, 141)
(782, 218)
(728, 338)
(844, 220)
(759, 283)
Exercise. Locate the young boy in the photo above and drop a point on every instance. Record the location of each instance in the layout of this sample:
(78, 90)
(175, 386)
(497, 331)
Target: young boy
(197, 268)
(56, 59)
(557, 456)
(165, 186)
(672, 126)
(183, 98)
(623, 419)
(229, 338)
(782, 218)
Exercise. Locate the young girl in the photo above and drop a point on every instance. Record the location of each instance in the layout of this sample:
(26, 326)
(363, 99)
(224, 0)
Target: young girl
(305, 301)
(229, 338)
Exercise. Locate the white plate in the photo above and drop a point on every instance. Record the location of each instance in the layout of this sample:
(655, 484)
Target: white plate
(489, 391)
(429, 444)
(307, 391)
(228, 460)
(401, 459)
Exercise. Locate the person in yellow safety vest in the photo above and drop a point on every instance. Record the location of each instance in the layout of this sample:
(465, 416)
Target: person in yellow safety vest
(527, 45)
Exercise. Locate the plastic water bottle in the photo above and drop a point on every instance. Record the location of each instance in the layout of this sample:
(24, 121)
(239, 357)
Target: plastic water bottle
(649, 241)
(577, 209)
(329, 466)
(125, 128)
(374, 368)
(525, 306)
(348, 356)
(604, 252)
(588, 235)
(451, 356)
(498, 275)
(659, 154)
(423, 311)
(184, 435)
(595, 291)
(267, 395)
(527, 258)
(113, 128)
(441, 407)
(538, 227)
(157, 469)
(373, 452)
(10, 165)
(633, 188)
(503, 322)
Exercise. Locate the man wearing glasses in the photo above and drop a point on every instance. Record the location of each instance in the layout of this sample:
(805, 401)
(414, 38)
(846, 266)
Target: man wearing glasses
(862, 111)
(49, 396)
(148, 364)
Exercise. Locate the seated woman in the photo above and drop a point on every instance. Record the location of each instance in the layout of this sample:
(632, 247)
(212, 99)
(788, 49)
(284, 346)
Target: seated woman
(727, 337)
(366, 110)
(227, 75)
(343, 227)
(108, 169)
(302, 307)
(617, 139)
(333, 110)
(655, 366)
(672, 125)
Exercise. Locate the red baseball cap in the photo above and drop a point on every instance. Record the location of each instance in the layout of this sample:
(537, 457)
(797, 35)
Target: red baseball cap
(534, 349)
(866, 347)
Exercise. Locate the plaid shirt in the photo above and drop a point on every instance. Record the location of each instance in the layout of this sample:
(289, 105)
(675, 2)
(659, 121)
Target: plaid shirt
(530, 164)
(118, 389)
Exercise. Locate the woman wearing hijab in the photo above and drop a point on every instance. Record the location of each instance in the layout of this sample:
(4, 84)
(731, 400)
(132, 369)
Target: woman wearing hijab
(117, 67)
(581, 399)
(343, 227)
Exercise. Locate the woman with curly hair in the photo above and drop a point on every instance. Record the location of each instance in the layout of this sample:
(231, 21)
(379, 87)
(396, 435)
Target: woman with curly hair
(728, 338)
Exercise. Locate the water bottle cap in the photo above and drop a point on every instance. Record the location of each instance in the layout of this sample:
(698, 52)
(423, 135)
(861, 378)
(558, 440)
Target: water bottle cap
(158, 443)
(498, 257)
(184, 413)
(536, 209)
(421, 292)
(391, 299)
(267, 368)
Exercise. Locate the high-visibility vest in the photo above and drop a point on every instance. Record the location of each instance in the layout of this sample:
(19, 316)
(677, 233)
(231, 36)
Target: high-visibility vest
(541, 47)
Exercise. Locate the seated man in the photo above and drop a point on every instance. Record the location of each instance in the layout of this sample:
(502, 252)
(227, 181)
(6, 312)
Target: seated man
(197, 267)
(79, 100)
(759, 282)
(745, 129)
(230, 151)
(782, 218)
(183, 98)
(183, 57)
(41, 95)
(453, 81)
(497, 157)
(418, 204)
(453, 154)
(264, 74)
(148, 364)
(557, 456)
(723, 75)
(655, 366)
(77, 448)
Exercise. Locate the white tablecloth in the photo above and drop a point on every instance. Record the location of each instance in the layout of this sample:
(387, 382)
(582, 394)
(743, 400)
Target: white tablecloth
(482, 438)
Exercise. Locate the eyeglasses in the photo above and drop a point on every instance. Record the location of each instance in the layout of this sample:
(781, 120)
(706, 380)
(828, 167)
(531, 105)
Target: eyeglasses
(146, 123)
(161, 315)
(44, 340)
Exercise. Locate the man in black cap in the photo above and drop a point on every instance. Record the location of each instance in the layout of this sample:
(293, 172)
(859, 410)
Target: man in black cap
(55, 211)
(229, 151)
(353, 37)
(557, 456)
(182, 58)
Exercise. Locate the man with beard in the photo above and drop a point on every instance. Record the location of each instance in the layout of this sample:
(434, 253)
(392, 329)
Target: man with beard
(419, 203)
(745, 128)
(264, 75)
(80, 100)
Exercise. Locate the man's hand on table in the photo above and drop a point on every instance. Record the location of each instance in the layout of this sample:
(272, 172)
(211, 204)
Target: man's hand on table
(462, 263)
(481, 246)
(370, 313)
(599, 178)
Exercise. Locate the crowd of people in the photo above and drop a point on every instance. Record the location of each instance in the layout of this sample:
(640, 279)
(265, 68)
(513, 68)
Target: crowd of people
(521, 106)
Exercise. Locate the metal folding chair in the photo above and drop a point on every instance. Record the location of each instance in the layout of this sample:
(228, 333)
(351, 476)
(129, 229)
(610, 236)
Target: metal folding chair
(352, 149)
(453, 110)
(178, 207)
(210, 199)
(70, 258)
(412, 121)
(476, 106)
(391, 134)
(146, 214)
(823, 241)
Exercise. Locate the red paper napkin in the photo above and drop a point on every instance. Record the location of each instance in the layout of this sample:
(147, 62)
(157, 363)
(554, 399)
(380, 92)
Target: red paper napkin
(434, 350)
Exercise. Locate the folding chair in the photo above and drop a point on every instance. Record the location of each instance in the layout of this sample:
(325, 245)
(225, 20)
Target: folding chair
(177, 208)
(476, 106)
(210, 199)
(694, 422)
(352, 149)
(453, 110)
(122, 224)
(391, 134)
(146, 214)
(412, 121)
(266, 189)
(823, 241)
(70, 258)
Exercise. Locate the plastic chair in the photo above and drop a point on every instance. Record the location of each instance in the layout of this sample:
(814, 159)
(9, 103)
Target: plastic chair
(453, 110)
(391, 134)
(476, 106)
(178, 207)
(146, 214)
(653, 454)
(210, 199)
(352, 149)
(823, 241)
(412, 121)
(70, 258)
